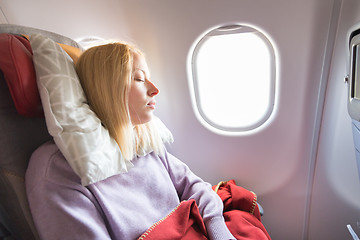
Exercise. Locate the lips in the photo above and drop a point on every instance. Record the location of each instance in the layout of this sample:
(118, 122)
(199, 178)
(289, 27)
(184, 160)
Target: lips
(151, 104)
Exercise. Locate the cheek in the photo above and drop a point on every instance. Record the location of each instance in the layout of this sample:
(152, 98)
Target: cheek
(131, 100)
(135, 96)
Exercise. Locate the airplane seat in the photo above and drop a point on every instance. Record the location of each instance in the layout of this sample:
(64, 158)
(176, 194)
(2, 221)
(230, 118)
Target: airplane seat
(20, 135)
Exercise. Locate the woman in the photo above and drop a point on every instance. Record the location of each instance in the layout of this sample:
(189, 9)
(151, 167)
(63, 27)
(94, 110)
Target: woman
(116, 81)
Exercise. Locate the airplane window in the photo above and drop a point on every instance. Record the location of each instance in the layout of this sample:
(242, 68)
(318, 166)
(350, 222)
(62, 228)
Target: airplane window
(233, 79)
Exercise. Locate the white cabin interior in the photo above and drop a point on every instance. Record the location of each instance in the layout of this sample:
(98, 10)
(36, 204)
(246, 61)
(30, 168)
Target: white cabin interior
(301, 163)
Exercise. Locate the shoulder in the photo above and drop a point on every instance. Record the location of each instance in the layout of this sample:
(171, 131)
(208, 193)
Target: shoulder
(47, 164)
(171, 159)
(173, 164)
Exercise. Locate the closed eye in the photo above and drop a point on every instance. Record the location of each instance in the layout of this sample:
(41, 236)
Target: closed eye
(139, 80)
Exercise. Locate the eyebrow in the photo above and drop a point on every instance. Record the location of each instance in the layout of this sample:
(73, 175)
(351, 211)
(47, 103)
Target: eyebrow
(143, 71)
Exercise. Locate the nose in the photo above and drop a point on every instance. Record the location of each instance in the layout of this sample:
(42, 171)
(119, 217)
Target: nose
(152, 89)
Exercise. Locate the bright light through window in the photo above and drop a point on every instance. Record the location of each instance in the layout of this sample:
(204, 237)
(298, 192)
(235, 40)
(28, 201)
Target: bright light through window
(233, 73)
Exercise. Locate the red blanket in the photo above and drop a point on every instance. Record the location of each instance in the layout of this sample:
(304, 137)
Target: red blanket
(241, 214)
(184, 222)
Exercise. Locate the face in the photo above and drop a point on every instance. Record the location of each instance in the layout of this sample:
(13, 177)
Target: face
(142, 92)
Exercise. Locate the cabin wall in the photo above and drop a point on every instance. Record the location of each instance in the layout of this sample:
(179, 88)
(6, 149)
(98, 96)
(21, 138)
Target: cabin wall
(336, 190)
(280, 162)
(275, 161)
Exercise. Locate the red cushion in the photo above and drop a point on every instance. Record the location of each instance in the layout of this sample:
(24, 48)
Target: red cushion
(18, 69)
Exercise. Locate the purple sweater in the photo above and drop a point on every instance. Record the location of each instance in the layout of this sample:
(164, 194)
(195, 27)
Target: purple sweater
(121, 207)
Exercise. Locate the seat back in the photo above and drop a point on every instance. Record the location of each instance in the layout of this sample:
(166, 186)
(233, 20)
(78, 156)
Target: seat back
(19, 137)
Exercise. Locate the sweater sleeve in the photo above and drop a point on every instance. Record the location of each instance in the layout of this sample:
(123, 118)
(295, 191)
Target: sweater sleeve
(190, 186)
(60, 206)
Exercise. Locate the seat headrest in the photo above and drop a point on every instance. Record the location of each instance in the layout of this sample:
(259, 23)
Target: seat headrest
(18, 69)
(17, 66)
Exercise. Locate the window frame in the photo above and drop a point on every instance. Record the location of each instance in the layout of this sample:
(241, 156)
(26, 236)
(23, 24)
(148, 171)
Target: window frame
(194, 88)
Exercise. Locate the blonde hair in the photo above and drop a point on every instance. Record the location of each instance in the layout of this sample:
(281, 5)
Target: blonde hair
(105, 74)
